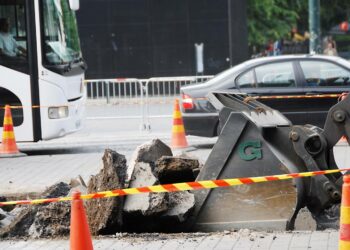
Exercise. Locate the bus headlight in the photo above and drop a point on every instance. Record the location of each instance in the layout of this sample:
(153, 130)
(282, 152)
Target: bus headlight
(58, 112)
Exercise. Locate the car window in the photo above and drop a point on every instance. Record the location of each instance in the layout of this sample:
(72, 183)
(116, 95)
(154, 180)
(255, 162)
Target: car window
(275, 75)
(246, 80)
(324, 74)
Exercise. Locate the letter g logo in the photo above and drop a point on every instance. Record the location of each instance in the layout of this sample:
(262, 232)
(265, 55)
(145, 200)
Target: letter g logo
(250, 150)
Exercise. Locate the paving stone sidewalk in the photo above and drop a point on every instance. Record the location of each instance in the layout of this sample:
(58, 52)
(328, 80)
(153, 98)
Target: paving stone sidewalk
(242, 240)
(32, 174)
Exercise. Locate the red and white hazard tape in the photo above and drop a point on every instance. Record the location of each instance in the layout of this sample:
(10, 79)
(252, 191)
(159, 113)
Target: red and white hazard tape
(185, 186)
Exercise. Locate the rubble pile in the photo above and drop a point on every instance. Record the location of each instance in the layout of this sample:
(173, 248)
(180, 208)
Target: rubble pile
(180, 205)
(51, 220)
(43, 220)
(105, 215)
(152, 163)
(176, 169)
(141, 174)
(147, 204)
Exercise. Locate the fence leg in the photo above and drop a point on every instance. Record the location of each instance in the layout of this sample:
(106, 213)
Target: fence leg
(107, 92)
(148, 124)
(142, 125)
(145, 125)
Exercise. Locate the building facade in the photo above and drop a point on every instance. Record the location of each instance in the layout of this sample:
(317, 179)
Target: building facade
(151, 38)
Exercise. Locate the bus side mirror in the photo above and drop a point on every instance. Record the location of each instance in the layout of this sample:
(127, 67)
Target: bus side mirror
(74, 4)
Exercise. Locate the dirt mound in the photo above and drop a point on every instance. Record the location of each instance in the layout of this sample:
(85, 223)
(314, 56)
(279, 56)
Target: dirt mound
(175, 169)
(40, 220)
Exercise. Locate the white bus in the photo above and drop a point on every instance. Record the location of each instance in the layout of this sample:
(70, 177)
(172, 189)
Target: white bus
(41, 68)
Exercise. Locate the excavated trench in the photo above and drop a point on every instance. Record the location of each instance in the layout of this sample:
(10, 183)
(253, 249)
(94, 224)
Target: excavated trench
(151, 164)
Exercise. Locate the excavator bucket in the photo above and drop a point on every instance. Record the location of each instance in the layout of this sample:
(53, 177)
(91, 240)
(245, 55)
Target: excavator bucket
(255, 141)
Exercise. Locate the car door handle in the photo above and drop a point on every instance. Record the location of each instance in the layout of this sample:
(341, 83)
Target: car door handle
(258, 94)
(312, 93)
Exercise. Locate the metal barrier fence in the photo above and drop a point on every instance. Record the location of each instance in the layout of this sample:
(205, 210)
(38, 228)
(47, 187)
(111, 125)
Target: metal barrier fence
(132, 89)
(170, 86)
(139, 91)
(121, 89)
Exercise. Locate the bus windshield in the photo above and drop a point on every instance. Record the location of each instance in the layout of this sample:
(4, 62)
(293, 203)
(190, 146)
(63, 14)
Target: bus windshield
(61, 39)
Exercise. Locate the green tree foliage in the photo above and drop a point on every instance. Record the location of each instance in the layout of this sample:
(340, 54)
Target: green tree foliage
(274, 19)
(269, 20)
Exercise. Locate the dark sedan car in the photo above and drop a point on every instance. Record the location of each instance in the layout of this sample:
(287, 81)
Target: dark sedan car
(299, 75)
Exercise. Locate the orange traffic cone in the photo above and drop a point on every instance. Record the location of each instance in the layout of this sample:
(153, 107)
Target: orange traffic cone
(80, 237)
(344, 231)
(8, 148)
(178, 138)
(343, 139)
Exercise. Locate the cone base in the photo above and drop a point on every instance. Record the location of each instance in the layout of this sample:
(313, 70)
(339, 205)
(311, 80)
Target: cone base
(178, 140)
(179, 147)
(343, 141)
(13, 155)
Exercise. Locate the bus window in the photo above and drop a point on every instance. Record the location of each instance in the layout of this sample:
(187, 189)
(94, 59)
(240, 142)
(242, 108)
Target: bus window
(13, 35)
(61, 39)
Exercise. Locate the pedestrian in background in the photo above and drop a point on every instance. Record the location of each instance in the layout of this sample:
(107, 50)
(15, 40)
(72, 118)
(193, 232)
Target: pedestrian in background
(277, 47)
(269, 48)
(330, 50)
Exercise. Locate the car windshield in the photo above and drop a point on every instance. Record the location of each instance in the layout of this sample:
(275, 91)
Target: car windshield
(61, 40)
